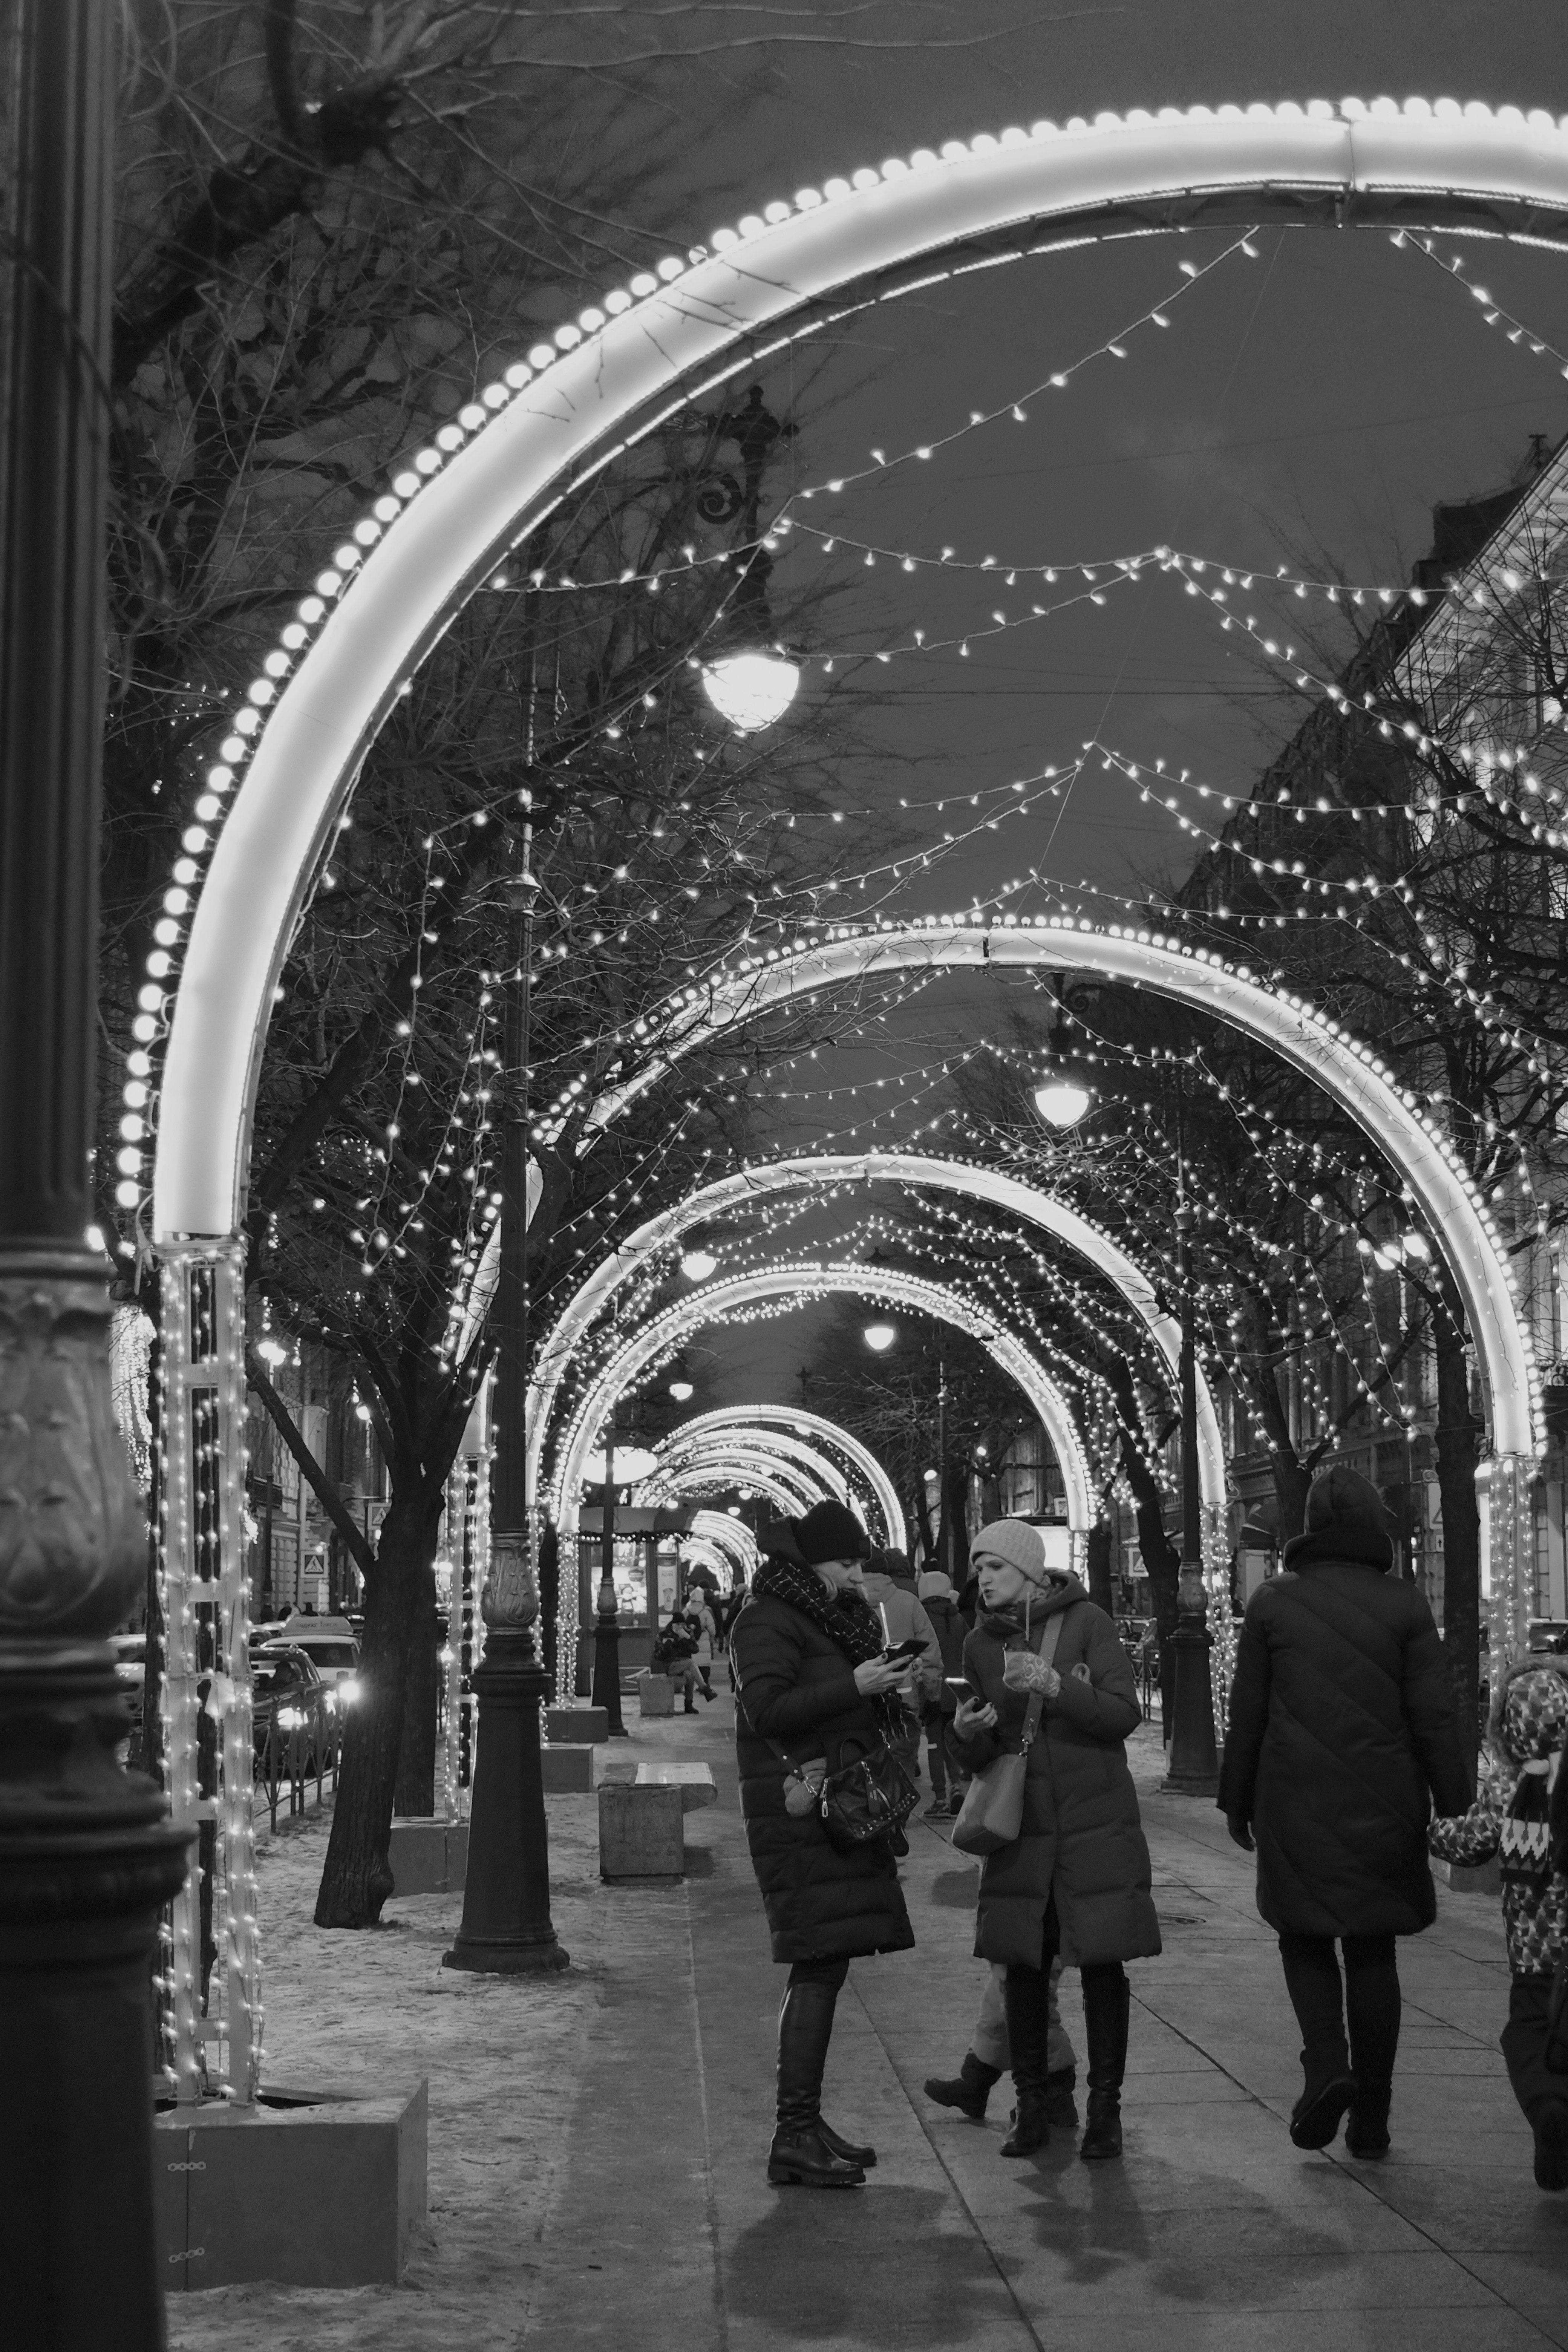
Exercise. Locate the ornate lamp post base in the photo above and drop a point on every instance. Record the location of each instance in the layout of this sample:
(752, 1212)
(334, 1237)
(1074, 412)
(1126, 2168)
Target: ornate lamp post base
(607, 1691)
(507, 1928)
(1193, 1767)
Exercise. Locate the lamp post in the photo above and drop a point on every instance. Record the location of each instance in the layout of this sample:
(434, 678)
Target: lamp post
(507, 1927)
(606, 1687)
(1193, 1767)
(88, 1854)
(945, 1525)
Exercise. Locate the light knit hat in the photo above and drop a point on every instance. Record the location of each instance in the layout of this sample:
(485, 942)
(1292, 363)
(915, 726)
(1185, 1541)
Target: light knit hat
(1017, 1542)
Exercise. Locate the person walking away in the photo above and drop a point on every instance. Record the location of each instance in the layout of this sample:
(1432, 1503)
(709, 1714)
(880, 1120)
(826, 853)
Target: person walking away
(1341, 1742)
(1076, 1880)
(1520, 1814)
(941, 1605)
(811, 1683)
(989, 2057)
(700, 1621)
(887, 1584)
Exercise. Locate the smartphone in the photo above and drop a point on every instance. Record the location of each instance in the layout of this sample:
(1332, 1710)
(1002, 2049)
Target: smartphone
(902, 1650)
(959, 1684)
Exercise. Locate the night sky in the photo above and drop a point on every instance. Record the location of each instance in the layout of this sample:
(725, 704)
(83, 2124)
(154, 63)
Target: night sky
(1307, 406)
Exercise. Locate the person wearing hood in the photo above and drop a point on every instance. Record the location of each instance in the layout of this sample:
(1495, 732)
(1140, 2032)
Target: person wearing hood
(941, 1604)
(1520, 1815)
(887, 1584)
(1076, 1880)
(1342, 1741)
(805, 1657)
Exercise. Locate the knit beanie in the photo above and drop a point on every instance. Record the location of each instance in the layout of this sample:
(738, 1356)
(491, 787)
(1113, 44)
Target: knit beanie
(934, 1586)
(828, 1531)
(1017, 1542)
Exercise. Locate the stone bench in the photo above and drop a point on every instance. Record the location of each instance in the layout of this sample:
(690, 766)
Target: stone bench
(642, 1819)
(655, 1693)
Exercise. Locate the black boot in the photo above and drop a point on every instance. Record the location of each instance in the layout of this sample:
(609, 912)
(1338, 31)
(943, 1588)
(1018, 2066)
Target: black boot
(1366, 2133)
(801, 2156)
(1328, 2090)
(690, 1706)
(859, 2152)
(1061, 2108)
(1107, 2002)
(1026, 2004)
(968, 2090)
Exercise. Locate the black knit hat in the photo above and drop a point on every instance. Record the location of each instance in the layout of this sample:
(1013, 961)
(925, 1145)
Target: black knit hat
(828, 1531)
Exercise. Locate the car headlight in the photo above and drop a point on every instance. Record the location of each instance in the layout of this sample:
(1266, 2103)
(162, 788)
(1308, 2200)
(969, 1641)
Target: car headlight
(348, 1691)
(289, 1718)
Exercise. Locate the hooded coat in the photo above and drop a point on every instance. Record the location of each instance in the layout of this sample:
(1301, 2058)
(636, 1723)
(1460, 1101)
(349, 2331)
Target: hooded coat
(1529, 1738)
(795, 1693)
(1081, 1837)
(1343, 1738)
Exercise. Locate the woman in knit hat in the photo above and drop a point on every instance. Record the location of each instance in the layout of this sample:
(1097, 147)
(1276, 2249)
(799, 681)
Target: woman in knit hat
(1520, 1814)
(805, 1656)
(1341, 1742)
(1077, 1879)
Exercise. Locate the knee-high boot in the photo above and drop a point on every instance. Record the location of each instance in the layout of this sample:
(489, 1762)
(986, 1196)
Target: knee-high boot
(800, 2157)
(1107, 2003)
(1025, 1994)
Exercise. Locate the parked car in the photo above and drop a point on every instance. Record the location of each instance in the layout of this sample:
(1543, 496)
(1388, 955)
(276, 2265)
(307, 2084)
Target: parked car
(288, 1691)
(1548, 1634)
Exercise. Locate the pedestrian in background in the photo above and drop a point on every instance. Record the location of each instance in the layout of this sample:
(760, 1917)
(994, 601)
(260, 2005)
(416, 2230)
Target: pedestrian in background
(699, 1619)
(1075, 1880)
(1341, 1742)
(1520, 1814)
(811, 1682)
(888, 1586)
(989, 2057)
(938, 1600)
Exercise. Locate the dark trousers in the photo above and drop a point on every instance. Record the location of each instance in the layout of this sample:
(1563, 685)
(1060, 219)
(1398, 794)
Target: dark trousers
(831, 1973)
(1368, 1998)
(1021, 1979)
(1523, 2041)
(936, 1752)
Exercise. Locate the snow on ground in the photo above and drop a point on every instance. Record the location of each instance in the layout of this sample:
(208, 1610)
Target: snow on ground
(374, 2011)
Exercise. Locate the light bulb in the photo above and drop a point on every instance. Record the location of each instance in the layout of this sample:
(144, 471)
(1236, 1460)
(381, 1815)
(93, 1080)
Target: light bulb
(680, 1391)
(751, 689)
(698, 1264)
(1060, 1103)
(879, 1337)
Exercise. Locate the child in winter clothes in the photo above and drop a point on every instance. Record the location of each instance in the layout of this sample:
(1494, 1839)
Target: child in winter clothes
(1520, 1814)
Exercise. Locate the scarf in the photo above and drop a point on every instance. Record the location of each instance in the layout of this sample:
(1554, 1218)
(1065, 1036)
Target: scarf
(1528, 1851)
(844, 1617)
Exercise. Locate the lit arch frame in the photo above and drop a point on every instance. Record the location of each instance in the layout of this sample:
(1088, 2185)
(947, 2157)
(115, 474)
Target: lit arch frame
(734, 1537)
(830, 1435)
(805, 1280)
(777, 1484)
(741, 1452)
(768, 1179)
(505, 460)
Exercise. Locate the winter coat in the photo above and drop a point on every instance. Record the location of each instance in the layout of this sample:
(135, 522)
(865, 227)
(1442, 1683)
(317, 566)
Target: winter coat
(700, 1620)
(795, 1687)
(951, 1634)
(1342, 1741)
(1534, 1907)
(904, 1614)
(1081, 1837)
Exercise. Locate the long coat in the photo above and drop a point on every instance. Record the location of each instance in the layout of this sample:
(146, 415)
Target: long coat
(1342, 1738)
(1081, 1837)
(795, 1687)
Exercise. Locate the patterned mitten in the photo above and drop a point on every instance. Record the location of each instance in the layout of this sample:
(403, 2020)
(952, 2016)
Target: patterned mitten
(1022, 1670)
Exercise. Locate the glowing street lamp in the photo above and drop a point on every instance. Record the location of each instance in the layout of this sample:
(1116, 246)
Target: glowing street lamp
(751, 688)
(680, 1391)
(1060, 1103)
(879, 1337)
(698, 1264)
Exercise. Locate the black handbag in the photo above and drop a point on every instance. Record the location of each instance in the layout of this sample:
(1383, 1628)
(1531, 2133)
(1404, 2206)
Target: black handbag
(866, 1802)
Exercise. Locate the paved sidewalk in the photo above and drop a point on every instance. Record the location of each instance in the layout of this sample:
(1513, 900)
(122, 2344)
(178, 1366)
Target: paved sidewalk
(1214, 2232)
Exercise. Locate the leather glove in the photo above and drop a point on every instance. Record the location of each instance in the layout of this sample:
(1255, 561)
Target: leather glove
(1240, 1830)
(1022, 1670)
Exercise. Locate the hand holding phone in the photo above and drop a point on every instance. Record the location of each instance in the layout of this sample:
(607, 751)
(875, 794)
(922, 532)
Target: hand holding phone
(909, 1649)
(960, 1685)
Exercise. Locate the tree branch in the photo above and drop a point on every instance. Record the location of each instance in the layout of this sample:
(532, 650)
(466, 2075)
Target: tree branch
(320, 1486)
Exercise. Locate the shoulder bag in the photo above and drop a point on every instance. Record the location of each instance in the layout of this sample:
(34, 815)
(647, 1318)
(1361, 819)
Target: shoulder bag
(993, 1812)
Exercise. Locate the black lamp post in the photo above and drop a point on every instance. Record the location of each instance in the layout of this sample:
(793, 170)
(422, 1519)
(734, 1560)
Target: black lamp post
(507, 1927)
(1193, 1767)
(606, 1689)
(87, 1855)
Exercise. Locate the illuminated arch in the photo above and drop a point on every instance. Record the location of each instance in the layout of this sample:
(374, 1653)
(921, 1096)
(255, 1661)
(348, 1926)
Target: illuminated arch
(719, 1447)
(501, 465)
(767, 1179)
(803, 1280)
(829, 1433)
(732, 1536)
(788, 1498)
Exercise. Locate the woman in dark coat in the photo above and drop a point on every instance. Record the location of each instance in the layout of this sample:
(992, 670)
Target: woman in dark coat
(1076, 1880)
(1342, 1741)
(809, 1676)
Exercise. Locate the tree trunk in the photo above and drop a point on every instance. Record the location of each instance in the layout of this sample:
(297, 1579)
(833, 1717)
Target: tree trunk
(1099, 1564)
(1457, 1448)
(416, 1790)
(357, 1880)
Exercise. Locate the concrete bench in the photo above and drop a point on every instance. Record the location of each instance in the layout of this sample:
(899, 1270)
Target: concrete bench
(642, 1819)
(579, 1726)
(655, 1693)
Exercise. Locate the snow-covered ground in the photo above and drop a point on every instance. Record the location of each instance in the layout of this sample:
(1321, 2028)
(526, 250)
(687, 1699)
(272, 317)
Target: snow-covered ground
(503, 2055)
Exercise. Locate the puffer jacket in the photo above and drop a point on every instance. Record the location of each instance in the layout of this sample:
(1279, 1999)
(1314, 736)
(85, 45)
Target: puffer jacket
(795, 1692)
(1342, 1741)
(1529, 1739)
(1081, 1839)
